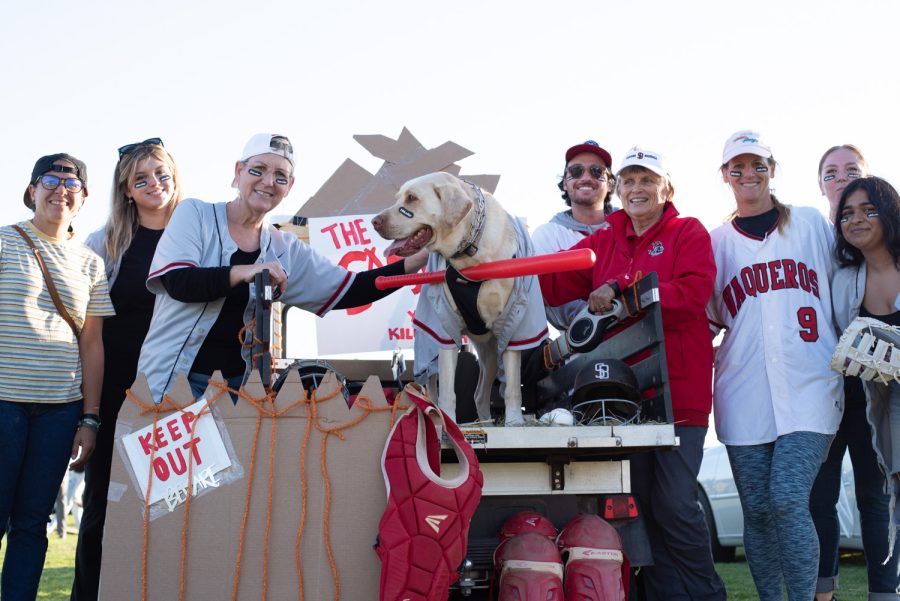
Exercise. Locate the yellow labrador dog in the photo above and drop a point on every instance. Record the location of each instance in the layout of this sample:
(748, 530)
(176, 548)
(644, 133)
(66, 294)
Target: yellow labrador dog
(467, 226)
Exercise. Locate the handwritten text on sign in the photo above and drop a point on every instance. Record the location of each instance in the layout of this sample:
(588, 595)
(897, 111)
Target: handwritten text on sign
(181, 438)
(350, 241)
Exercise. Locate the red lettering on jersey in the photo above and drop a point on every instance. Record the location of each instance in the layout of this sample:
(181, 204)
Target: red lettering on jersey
(814, 282)
(728, 297)
(790, 273)
(803, 276)
(747, 281)
(739, 297)
(761, 276)
(777, 282)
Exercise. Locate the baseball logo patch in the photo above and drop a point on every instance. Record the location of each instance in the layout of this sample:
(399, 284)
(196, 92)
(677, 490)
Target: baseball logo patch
(601, 371)
(656, 249)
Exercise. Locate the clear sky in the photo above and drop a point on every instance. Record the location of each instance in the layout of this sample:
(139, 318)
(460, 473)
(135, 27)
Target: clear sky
(515, 82)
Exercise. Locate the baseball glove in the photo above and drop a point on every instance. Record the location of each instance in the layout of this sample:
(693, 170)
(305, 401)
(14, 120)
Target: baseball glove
(870, 349)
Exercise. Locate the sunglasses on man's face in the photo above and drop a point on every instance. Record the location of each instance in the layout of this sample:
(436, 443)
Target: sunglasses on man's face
(576, 171)
(128, 148)
(52, 182)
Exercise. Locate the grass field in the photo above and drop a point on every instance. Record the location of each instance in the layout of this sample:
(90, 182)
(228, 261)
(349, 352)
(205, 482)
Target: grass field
(57, 579)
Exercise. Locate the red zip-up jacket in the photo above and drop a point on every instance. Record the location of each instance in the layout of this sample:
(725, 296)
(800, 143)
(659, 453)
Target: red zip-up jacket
(678, 249)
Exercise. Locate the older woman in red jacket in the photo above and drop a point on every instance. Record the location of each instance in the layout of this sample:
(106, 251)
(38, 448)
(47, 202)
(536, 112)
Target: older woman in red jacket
(649, 235)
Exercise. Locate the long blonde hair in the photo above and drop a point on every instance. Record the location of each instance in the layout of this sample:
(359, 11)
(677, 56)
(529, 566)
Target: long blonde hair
(123, 216)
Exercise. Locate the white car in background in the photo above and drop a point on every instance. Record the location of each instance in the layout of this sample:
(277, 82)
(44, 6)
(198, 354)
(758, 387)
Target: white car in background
(724, 516)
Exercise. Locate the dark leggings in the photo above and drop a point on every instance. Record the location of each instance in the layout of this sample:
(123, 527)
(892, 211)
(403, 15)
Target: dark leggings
(774, 481)
(871, 500)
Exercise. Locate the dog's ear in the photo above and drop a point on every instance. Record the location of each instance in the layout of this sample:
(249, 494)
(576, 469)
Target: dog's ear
(456, 201)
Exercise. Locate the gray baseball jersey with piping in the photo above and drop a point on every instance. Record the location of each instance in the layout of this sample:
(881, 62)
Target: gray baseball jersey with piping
(521, 325)
(562, 232)
(197, 236)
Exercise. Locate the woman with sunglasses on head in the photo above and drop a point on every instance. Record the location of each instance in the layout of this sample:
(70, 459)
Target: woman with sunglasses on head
(54, 298)
(777, 403)
(867, 284)
(145, 192)
(207, 260)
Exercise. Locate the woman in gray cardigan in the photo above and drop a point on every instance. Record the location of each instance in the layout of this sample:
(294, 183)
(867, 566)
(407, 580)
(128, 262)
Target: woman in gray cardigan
(867, 247)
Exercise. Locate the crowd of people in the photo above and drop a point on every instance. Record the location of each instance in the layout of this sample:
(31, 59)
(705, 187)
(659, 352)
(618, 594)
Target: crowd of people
(165, 285)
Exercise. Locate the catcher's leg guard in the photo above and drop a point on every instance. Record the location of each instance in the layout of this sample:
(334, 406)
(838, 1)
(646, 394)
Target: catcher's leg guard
(592, 551)
(530, 569)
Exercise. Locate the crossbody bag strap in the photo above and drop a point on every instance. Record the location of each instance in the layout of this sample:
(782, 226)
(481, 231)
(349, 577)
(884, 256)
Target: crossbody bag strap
(51, 287)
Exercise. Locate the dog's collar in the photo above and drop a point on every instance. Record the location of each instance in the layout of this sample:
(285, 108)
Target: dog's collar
(469, 245)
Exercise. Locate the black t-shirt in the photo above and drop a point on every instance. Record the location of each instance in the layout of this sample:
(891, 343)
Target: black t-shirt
(760, 225)
(221, 349)
(124, 332)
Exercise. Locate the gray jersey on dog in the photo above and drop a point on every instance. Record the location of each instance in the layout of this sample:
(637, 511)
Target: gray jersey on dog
(521, 325)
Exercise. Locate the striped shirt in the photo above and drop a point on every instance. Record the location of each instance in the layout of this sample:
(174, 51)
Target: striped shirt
(39, 359)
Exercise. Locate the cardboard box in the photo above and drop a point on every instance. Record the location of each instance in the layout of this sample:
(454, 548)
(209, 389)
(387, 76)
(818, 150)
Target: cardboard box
(344, 503)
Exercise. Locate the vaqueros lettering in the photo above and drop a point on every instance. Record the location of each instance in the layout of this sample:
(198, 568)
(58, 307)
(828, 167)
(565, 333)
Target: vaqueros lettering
(762, 278)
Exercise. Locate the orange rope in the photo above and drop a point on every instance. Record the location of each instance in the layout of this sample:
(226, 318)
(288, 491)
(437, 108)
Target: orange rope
(303, 498)
(265, 566)
(167, 405)
(265, 406)
(336, 431)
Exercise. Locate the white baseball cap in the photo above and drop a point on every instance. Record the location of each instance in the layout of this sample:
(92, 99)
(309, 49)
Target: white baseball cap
(268, 144)
(744, 142)
(641, 157)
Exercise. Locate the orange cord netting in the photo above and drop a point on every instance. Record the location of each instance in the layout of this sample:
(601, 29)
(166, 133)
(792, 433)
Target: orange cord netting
(265, 406)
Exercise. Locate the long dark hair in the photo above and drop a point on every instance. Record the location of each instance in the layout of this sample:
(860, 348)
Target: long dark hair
(887, 201)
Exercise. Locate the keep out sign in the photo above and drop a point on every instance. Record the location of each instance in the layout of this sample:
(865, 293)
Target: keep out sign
(181, 438)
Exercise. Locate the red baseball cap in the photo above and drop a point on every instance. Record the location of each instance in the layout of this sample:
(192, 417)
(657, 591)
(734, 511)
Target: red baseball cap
(593, 148)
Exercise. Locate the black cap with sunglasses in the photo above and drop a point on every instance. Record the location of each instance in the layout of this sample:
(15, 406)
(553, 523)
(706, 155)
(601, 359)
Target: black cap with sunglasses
(53, 162)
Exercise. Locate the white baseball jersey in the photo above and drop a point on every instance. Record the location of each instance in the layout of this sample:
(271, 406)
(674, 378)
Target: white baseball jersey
(773, 297)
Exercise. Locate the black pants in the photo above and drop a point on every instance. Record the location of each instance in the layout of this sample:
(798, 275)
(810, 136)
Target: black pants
(89, 551)
(666, 483)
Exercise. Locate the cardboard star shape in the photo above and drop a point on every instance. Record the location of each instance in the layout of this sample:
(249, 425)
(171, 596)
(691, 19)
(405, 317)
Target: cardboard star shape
(352, 190)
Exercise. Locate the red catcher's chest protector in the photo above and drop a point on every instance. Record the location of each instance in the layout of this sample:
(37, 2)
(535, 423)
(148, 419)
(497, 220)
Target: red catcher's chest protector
(424, 532)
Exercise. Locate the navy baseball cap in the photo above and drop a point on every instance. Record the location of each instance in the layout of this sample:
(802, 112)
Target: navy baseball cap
(593, 148)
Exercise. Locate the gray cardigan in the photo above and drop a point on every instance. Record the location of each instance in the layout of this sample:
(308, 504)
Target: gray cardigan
(882, 401)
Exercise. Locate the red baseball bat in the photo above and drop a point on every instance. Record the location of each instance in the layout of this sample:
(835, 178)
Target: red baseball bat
(567, 260)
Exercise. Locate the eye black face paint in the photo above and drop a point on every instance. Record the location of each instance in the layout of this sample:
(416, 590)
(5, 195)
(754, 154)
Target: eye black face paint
(735, 173)
(140, 185)
(406, 212)
(762, 169)
(827, 178)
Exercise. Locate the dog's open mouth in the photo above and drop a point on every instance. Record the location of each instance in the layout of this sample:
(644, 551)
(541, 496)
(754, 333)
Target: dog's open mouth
(411, 244)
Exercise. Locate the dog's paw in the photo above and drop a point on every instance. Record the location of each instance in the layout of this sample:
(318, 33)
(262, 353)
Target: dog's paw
(515, 419)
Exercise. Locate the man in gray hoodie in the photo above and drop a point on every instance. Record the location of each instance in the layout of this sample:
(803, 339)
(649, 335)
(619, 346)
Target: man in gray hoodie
(587, 186)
